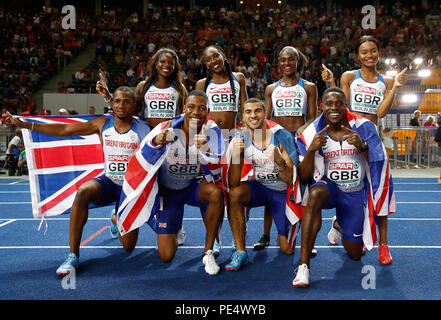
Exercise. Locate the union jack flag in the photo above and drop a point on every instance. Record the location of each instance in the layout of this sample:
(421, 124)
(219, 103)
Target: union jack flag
(381, 198)
(58, 166)
(140, 199)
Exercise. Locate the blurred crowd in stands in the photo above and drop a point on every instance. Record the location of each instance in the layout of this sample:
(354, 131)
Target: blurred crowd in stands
(32, 45)
(251, 39)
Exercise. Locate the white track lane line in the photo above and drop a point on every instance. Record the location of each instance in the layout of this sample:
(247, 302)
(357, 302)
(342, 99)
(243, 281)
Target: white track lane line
(7, 222)
(197, 247)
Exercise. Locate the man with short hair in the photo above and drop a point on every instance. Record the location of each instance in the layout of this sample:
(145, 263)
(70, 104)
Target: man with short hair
(177, 150)
(344, 162)
(269, 151)
(120, 136)
(416, 121)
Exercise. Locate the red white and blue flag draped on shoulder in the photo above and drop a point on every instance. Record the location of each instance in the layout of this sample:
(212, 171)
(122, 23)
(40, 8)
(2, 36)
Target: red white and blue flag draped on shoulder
(58, 166)
(294, 207)
(381, 197)
(139, 197)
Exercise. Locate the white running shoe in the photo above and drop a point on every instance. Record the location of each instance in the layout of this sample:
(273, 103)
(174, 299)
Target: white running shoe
(333, 233)
(181, 236)
(302, 277)
(314, 251)
(211, 266)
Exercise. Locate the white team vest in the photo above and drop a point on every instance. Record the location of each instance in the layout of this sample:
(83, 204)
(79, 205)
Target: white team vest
(220, 97)
(366, 97)
(179, 167)
(289, 101)
(118, 148)
(161, 103)
(265, 170)
(344, 165)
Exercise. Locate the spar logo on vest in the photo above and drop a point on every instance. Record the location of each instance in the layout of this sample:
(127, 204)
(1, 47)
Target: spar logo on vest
(223, 95)
(367, 96)
(161, 100)
(288, 99)
(222, 98)
(344, 172)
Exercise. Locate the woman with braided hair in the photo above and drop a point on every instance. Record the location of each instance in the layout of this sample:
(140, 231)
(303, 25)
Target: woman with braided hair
(226, 93)
(225, 89)
(162, 94)
(159, 98)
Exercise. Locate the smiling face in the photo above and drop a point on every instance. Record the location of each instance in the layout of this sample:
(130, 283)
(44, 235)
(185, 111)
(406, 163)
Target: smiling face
(166, 65)
(195, 110)
(368, 54)
(214, 59)
(334, 108)
(288, 62)
(254, 115)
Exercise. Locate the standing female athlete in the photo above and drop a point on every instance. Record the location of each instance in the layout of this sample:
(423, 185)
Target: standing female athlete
(225, 89)
(160, 97)
(293, 103)
(226, 93)
(370, 95)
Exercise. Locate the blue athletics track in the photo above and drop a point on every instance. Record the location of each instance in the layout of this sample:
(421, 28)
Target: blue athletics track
(29, 257)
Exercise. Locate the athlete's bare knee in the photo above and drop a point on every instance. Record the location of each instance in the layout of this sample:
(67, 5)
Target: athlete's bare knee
(354, 256)
(167, 255)
(129, 240)
(284, 245)
(84, 195)
(129, 247)
(235, 195)
(216, 196)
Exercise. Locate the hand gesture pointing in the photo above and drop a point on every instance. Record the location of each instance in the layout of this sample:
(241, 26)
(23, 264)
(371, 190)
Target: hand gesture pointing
(319, 139)
(401, 78)
(102, 89)
(353, 138)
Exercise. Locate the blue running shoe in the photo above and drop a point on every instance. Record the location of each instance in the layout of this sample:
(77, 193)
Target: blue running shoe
(71, 262)
(238, 259)
(217, 247)
(113, 227)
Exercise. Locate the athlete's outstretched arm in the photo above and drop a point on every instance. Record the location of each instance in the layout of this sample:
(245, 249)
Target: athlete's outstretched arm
(59, 129)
